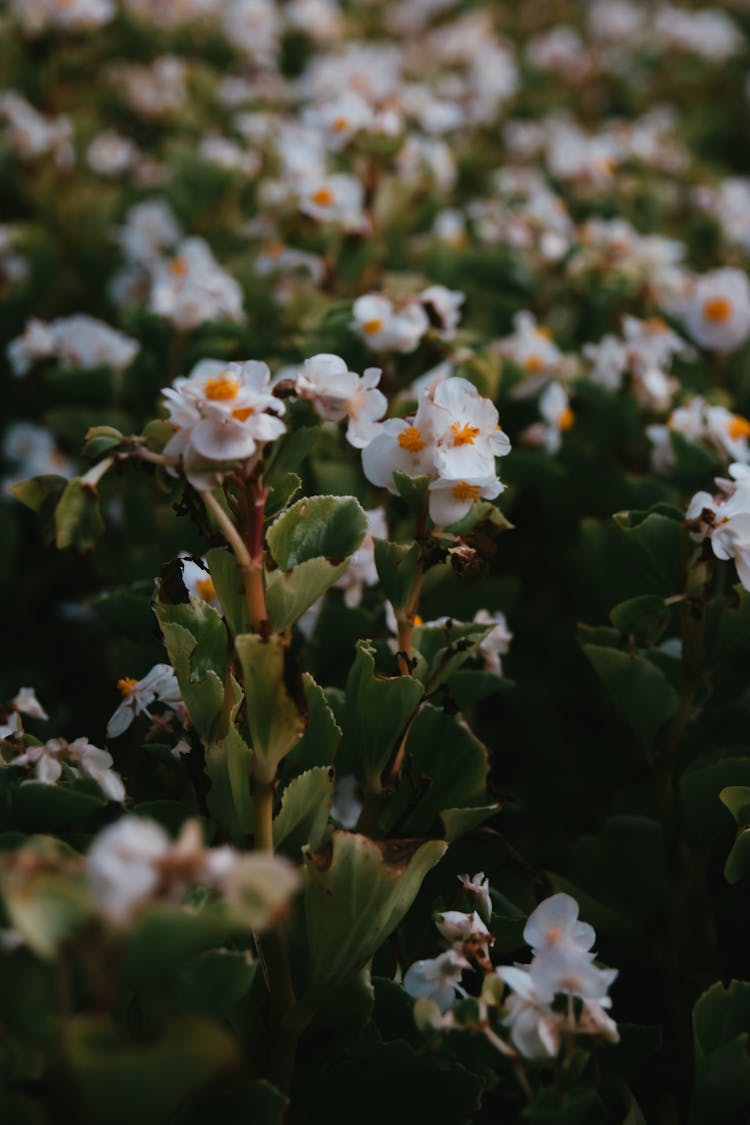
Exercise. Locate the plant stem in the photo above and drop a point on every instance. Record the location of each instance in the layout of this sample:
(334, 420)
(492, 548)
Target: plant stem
(250, 564)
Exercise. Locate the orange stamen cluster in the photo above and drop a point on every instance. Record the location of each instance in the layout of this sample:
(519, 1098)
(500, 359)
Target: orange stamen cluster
(462, 490)
(718, 310)
(411, 440)
(127, 685)
(464, 435)
(738, 427)
(221, 388)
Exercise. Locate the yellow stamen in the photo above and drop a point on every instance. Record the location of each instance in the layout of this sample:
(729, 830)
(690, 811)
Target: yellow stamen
(372, 326)
(206, 589)
(411, 440)
(543, 331)
(418, 620)
(566, 419)
(127, 685)
(178, 267)
(464, 435)
(242, 413)
(534, 363)
(654, 324)
(462, 490)
(222, 388)
(340, 123)
(554, 934)
(323, 197)
(717, 310)
(738, 427)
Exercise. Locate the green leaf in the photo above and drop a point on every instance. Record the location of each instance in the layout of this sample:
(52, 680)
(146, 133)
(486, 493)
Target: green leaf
(445, 769)
(445, 648)
(40, 494)
(282, 494)
(101, 440)
(376, 713)
(45, 906)
(37, 807)
(230, 590)
(721, 1019)
(119, 1080)
(397, 565)
(228, 767)
(78, 517)
(322, 736)
(654, 538)
(196, 640)
(413, 490)
(644, 618)
(702, 785)
(357, 891)
(737, 800)
(290, 593)
(329, 527)
(303, 816)
(459, 822)
(276, 705)
(637, 688)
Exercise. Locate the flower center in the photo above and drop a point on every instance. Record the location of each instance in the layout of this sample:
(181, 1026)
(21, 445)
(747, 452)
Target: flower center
(464, 435)
(654, 324)
(206, 589)
(127, 685)
(242, 413)
(738, 427)
(340, 123)
(372, 326)
(323, 197)
(411, 440)
(554, 934)
(566, 419)
(222, 388)
(462, 490)
(534, 363)
(543, 331)
(718, 310)
(178, 267)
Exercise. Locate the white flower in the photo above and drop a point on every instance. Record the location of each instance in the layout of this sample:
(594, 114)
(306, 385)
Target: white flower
(347, 804)
(401, 445)
(122, 865)
(27, 703)
(451, 500)
(198, 581)
(438, 978)
(717, 312)
(531, 346)
(443, 309)
(385, 328)
(337, 393)
(609, 359)
(497, 641)
(726, 521)
(44, 759)
(253, 28)
(555, 923)
(479, 886)
(534, 1026)
(31, 135)
(466, 431)
(74, 341)
(33, 452)
(97, 764)
(149, 228)
(222, 412)
(342, 118)
(338, 198)
(157, 686)
(110, 154)
(192, 287)
(554, 406)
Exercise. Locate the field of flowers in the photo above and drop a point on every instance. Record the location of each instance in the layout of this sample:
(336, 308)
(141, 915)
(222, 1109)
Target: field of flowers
(374, 562)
